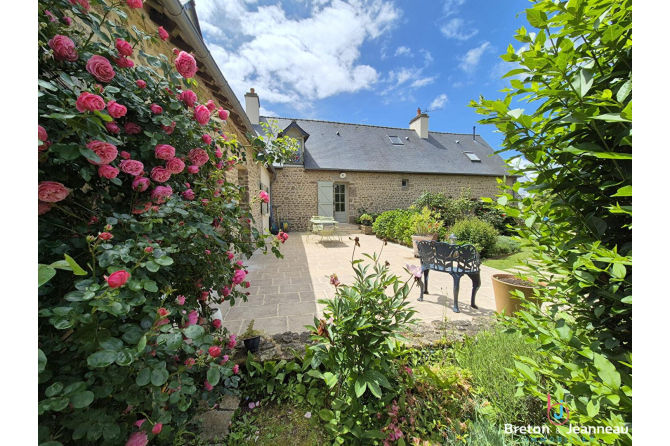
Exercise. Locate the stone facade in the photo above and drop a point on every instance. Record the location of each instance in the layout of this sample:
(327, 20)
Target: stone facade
(295, 190)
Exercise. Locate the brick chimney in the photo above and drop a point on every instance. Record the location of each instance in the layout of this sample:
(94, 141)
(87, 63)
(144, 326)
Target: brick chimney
(252, 106)
(419, 124)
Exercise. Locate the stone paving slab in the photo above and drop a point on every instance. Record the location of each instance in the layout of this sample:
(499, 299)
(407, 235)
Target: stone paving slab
(284, 292)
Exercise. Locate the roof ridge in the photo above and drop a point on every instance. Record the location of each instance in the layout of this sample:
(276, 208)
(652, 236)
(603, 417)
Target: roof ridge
(365, 125)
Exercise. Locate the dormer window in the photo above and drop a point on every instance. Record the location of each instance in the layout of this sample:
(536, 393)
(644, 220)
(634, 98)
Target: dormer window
(296, 132)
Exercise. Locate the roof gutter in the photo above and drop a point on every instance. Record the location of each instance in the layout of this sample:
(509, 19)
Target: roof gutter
(178, 14)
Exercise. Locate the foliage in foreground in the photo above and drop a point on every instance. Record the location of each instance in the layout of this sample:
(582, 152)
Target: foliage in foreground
(576, 69)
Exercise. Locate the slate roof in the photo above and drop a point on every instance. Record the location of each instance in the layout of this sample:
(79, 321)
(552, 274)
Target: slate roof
(367, 148)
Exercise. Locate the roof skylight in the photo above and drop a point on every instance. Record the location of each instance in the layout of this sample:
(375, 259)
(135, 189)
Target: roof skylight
(395, 141)
(474, 158)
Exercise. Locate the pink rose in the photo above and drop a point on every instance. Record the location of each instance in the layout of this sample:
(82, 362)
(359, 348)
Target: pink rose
(181, 299)
(186, 64)
(223, 114)
(282, 236)
(224, 360)
(214, 351)
(156, 109)
(162, 312)
(67, 20)
(188, 194)
(49, 14)
(201, 114)
(63, 48)
(105, 236)
(51, 191)
(89, 102)
(193, 169)
(193, 317)
(160, 174)
(107, 171)
(158, 427)
(142, 207)
(160, 193)
(225, 291)
(140, 83)
(236, 369)
(149, 249)
(41, 133)
(42, 207)
(131, 167)
(100, 68)
(211, 106)
(208, 386)
(239, 276)
(216, 323)
(123, 47)
(168, 128)
(125, 155)
(175, 165)
(198, 157)
(265, 198)
(218, 153)
(207, 139)
(136, 4)
(124, 62)
(83, 3)
(162, 33)
(189, 98)
(131, 128)
(112, 127)
(164, 151)
(230, 255)
(105, 151)
(118, 279)
(116, 110)
(138, 439)
(140, 184)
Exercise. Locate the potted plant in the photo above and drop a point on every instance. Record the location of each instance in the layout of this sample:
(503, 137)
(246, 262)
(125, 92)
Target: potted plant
(251, 338)
(366, 223)
(506, 302)
(425, 226)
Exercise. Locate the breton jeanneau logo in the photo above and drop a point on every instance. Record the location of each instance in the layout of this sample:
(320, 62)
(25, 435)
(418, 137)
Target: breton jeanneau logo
(560, 413)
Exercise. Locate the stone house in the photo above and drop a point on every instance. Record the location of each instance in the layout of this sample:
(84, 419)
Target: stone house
(343, 169)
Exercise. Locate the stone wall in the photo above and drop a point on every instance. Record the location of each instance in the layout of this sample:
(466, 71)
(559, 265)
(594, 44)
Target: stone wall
(295, 190)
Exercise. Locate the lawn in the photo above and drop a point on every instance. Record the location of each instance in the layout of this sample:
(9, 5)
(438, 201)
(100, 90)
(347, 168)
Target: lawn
(509, 261)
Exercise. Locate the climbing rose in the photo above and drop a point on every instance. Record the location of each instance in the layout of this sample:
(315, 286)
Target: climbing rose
(160, 174)
(134, 3)
(162, 33)
(156, 109)
(223, 114)
(193, 317)
(131, 128)
(138, 439)
(125, 155)
(107, 171)
(51, 191)
(214, 350)
(168, 129)
(265, 198)
(43, 208)
(230, 255)
(208, 386)
(116, 110)
(123, 47)
(144, 207)
(112, 127)
(160, 193)
(89, 102)
(236, 369)
(105, 151)
(201, 114)
(164, 151)
(118, 279)
(158, 427)
(188, 194)
(124, 62)
(239, 276)
(189, 362)
(186, 64)
(181, 299)
(105, 236)
(189, 97)
(140, 184)
(67, 20)
(198, 156)
(207, 139)
(282, 236)
(131, 167)
(149, 249)
(140, 83)
(193, 169)
(218, 154)
(162, 312)
(211, 106)
(216, 323)
(83, 3)
(175, 165)
(41, 133)
(100, 68)
(63, 48)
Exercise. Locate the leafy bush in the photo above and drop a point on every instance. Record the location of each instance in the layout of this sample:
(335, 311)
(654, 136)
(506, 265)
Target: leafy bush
(366, 219)
(134, 246)
(450, 209)
(395, 226)
(505, 245)
(476, 232)
(578, 149)
(503, 223)
(425, 223)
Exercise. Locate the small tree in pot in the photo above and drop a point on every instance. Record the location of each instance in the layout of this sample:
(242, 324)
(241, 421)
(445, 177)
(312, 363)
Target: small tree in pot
(251, 338)
(366, 223)
(425, 226)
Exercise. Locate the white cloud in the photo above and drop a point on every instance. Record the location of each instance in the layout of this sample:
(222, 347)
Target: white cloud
(439, 102)
(457, 29)
(427, 57)
(403, 51)
(450, 7)
(423, 81)
(295, 60)
(265, 112)
(470, 60)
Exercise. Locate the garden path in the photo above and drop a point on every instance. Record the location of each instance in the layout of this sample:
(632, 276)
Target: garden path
(284, 292)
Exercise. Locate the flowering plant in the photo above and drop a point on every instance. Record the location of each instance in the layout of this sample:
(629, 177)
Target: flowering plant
(140, 222)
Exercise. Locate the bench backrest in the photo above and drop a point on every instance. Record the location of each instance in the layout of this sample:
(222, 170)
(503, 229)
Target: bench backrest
(445, 256)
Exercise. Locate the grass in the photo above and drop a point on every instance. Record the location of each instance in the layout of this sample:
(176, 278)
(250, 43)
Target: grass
(275, 425)
(510, 261)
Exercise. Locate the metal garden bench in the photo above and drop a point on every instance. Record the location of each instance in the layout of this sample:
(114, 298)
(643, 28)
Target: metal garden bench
(457, 260)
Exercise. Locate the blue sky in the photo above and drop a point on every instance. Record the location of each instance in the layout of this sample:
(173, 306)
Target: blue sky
(371, 62)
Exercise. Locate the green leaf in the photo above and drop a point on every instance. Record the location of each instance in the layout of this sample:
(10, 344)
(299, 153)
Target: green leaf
(624, 91)
(44, 274)
(626, 191)
(194, 331)
(502, 201)
(89, 154)
(103, 116)
(54, 389)
(142, 344)
(627, 113)
(326, 415)
(81, 400)
(537, 19)
(164, 261)
(144, 377)
(213, 375)
(48, 85)
(530, 221)
(102, 358)
(611, 117)
(583, 82)
(152, 266)
(374, 388)
(75, 267)
(618, 270)
(159, 376)
(525, 371)
(607, 372)
(359, 386)
(330, 379)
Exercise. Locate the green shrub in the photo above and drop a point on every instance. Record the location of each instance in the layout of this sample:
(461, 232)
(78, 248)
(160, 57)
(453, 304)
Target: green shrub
(476, 232)
(505, 245)
(450, 209)
(425, 223)
(500, 220)
(366, 219)
(486, 357)
(395, 226)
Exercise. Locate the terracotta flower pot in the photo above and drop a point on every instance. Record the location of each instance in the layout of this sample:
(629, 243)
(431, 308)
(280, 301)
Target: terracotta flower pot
(507, 303)
(420, 238)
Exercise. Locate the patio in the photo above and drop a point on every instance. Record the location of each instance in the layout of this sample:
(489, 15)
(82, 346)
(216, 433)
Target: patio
(284, 292)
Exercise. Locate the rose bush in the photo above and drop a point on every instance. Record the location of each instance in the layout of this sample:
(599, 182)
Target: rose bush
(134, 249)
